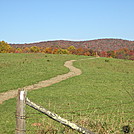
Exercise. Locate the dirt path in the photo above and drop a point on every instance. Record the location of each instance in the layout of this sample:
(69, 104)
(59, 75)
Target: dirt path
(73, 72)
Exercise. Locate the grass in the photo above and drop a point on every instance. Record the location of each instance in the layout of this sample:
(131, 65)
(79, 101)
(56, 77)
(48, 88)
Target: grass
(100, 99)
(19, 70)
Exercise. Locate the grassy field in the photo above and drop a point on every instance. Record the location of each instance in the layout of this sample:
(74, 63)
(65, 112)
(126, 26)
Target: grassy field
(100, 99)
(19, 70)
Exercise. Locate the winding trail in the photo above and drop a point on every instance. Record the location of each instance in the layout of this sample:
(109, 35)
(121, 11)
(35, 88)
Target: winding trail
(73, 72)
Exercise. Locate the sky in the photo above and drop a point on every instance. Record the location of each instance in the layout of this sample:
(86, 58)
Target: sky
(27, 21)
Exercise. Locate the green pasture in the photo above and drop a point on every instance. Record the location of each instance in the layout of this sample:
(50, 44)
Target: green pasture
(19, 70)
(100, 99)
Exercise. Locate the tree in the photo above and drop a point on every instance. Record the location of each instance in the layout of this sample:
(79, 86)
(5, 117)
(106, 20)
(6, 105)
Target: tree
(18, 50)
(34, 49)
(48, 50)
(26, 50)
(122, 53)
(71, 48)
(111, 54)
(4, 47)
(62, 51)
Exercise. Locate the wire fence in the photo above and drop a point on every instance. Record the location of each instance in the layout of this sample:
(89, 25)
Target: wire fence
(92, 118)
(100, 119)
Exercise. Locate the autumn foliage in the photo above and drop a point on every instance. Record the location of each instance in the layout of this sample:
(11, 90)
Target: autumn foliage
(122, 53)
(4, 47)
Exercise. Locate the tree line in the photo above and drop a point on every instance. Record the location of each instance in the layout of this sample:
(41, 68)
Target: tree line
(123, 53)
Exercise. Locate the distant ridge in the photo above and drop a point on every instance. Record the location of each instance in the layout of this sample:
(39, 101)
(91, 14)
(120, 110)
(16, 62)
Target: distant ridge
(97, 44)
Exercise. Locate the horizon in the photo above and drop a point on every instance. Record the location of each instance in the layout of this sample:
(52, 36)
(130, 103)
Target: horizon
(77, 20)
(72, 40)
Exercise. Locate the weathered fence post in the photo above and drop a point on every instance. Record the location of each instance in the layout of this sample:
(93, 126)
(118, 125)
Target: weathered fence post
(20, 112)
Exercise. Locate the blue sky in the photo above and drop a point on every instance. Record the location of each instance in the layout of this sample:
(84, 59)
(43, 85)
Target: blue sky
(24, 21)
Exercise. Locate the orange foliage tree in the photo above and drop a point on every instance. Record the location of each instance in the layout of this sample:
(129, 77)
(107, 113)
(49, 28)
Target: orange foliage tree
(4, 47)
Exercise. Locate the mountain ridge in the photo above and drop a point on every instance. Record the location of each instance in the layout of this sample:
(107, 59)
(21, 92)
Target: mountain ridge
(107, 44)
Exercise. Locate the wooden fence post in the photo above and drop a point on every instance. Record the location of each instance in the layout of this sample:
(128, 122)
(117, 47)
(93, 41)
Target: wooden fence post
(20, 112)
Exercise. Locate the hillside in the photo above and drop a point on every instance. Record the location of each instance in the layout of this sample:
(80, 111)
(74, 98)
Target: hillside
(98, 45)
(100, 99)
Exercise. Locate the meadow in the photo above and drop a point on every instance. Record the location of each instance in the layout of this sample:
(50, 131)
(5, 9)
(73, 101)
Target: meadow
(100, 99)
(19, 70)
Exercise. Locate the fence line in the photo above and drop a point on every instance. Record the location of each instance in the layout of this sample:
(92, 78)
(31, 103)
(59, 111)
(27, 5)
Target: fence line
(58, 118)
(20, 115)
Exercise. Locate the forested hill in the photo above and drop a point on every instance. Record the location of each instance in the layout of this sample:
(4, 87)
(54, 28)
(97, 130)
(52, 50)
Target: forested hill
(97, 45)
